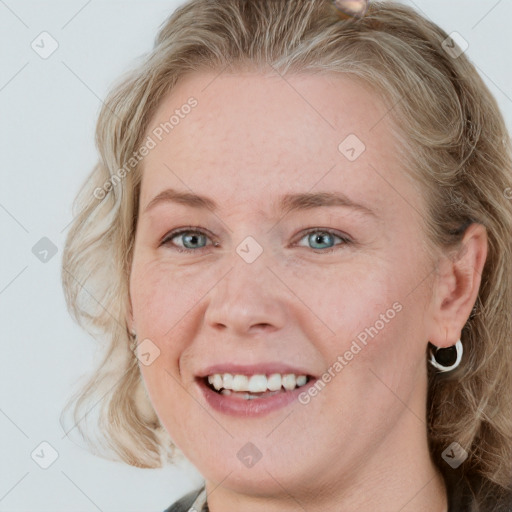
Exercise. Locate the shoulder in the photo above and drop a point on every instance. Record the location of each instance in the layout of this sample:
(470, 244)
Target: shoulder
(185, 502)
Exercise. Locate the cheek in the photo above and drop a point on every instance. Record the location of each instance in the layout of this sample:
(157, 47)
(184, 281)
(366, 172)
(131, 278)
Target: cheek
(369, 317)
(162, 302)
(358, 299)
(162, 296)
(346, 297)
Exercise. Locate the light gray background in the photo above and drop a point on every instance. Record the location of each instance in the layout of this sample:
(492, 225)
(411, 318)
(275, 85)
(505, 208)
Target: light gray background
(48, 109)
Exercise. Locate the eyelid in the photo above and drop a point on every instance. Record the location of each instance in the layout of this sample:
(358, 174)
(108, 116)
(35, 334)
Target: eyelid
(303, 233)
(342, 236)
(187, 229)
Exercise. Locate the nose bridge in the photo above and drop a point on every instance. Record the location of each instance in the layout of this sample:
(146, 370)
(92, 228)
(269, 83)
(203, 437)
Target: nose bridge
(247, 295)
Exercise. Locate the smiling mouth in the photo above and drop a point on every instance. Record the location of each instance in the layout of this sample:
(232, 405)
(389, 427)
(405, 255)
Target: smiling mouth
(251, 387)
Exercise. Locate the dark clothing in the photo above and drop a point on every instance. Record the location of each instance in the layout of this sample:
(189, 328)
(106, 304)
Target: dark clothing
(184, 503)
(461, 500)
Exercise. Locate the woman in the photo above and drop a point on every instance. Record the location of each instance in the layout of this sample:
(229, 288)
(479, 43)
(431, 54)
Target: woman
(371, 373)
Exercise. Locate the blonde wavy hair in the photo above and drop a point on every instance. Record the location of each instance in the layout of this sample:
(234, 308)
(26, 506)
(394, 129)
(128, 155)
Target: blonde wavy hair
(454, 141)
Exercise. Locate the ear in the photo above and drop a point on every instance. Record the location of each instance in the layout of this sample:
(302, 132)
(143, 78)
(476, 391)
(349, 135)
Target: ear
(456, 287)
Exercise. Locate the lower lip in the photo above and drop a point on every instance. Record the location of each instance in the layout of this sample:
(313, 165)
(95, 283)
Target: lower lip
(236, 406)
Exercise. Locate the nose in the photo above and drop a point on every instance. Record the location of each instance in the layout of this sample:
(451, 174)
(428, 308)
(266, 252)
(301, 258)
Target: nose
(248, 300)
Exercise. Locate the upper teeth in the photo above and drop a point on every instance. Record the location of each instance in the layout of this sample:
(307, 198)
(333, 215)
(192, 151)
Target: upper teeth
(256, 383)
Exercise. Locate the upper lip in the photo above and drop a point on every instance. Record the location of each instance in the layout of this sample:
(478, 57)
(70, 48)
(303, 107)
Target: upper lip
(252, 369)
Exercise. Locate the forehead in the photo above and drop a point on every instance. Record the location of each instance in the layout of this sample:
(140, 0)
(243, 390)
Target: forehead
(250, 132)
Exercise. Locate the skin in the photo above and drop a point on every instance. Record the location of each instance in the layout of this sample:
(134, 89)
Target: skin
(361, 443)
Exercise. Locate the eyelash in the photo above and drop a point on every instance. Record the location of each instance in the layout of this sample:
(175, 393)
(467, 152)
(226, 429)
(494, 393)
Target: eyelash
(192, 230)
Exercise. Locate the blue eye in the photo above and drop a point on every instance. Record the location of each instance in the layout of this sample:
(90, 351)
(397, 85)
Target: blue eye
(192, 240)
(188, 237)
(319, 236)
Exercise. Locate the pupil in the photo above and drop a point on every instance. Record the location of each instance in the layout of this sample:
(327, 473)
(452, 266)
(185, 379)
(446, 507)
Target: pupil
(319, 238)
(192, 239)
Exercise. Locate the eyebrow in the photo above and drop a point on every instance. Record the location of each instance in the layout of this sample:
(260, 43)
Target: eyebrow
(287, 203)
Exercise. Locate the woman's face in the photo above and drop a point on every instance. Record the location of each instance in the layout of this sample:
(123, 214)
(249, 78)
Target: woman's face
(310, 263)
